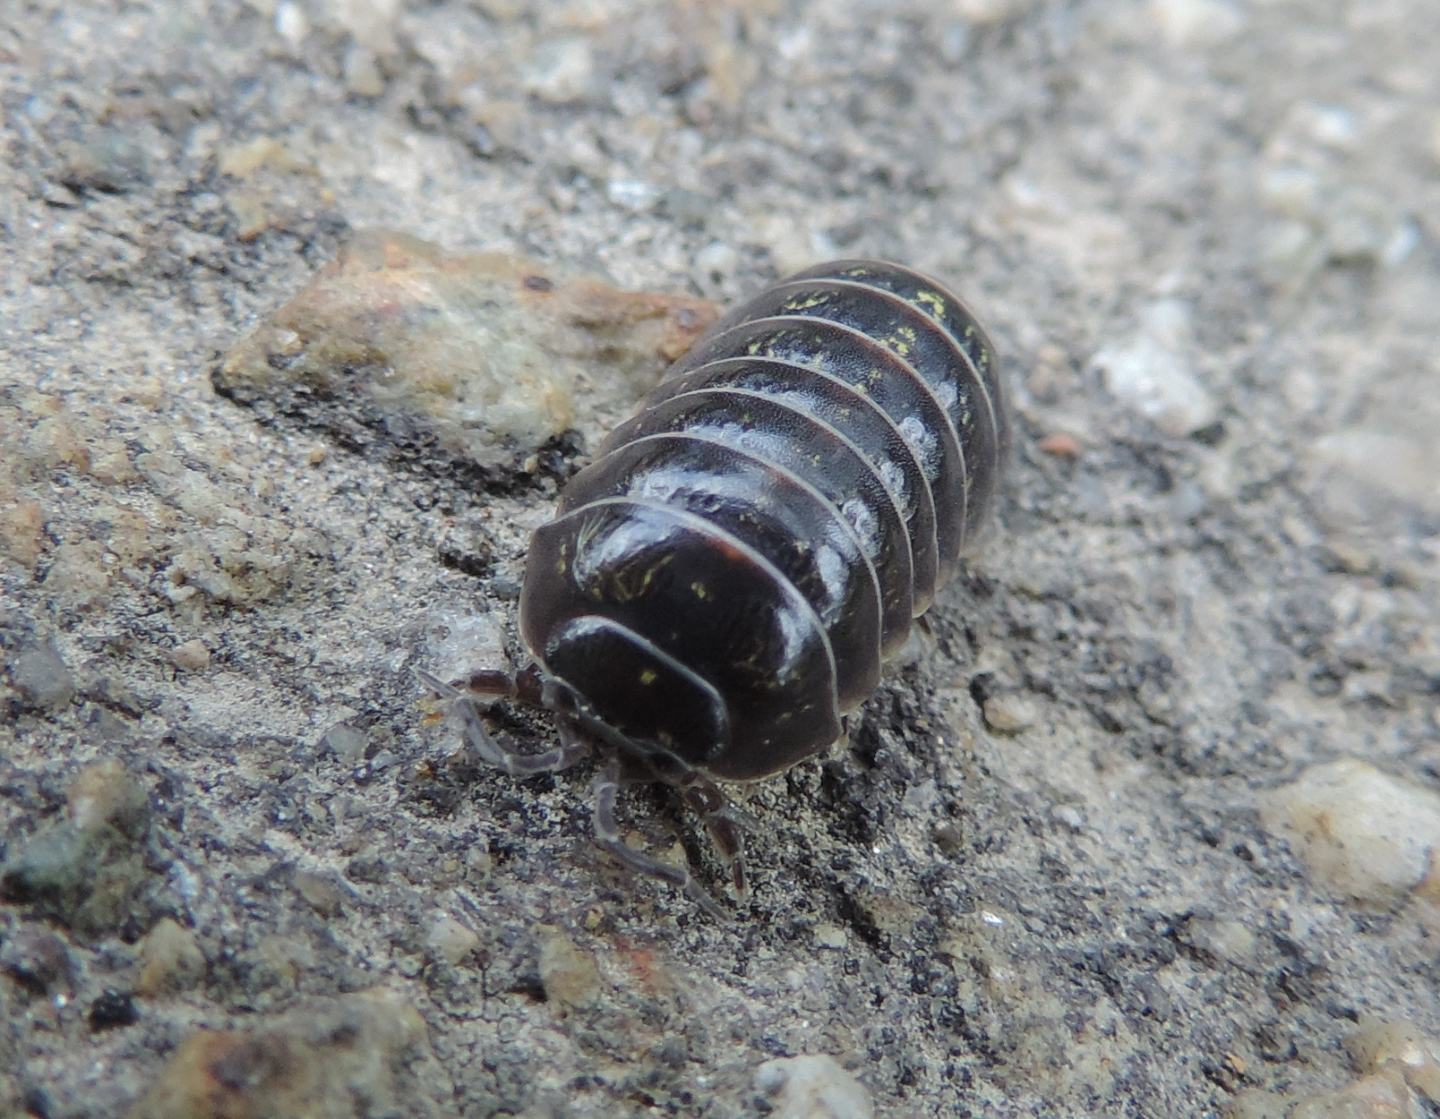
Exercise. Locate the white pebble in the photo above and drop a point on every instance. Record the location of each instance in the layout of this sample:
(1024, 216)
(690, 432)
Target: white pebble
(1009, 713)
(716, 260)
(1361, 832)
(1359, 475)
(1196, 22)
(291, 24)
(1152, 373)
(561, 70)
(812, 1087)
(450, 940)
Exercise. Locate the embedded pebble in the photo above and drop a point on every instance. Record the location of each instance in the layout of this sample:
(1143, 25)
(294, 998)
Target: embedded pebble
(37, 960)
(568, 973)
(1290, 191)
(89, 871)
(344, 1049)
(1365, 477)
(450, 940)
(1401, 1047)
(322, 891)
(170, 959)
(635, 195)
(363, 76)
(812, 1087)
(986, 13)
(1152, 372)
(1231, 941)
(106, 795)
(458, 641)
(486, 356)
(1359, 228)
(22, 529)
(40, 675)
(112, 1010)
(1196, 23)
(107, 161)
(560, 70)
(1256, 1103)
(1322, 219)
(1383, 1096)
(291, 24)
(1068, 817)
(78, 577)
(717, 261)
(191, 656)
(1009, 713)
(259, 153)
(346, 742)
(1061, 444)
(1360, 831)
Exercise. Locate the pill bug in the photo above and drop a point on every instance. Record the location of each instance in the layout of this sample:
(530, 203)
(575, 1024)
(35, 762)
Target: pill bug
(720, 587)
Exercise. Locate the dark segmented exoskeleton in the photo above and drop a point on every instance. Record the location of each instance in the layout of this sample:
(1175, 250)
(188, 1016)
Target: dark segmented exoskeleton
(719, 589)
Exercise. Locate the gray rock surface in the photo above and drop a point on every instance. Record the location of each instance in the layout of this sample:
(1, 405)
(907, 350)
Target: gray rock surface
(1048, 875)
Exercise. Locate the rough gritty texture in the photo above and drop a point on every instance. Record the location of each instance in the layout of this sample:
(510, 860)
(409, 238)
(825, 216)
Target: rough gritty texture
(1203, 234)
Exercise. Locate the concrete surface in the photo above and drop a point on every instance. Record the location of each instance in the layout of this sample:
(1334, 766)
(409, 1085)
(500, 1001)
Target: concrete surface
(1052, 875)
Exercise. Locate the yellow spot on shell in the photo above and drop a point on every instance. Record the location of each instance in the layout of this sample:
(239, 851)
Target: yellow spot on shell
(648, 676)
(805, 302)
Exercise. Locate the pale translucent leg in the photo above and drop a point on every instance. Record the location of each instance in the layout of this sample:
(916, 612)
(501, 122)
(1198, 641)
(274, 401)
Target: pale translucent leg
(722, 819)
(607, 835)
(572, 747)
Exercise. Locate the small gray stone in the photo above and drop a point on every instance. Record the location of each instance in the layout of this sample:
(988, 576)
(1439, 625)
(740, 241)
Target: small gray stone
(89, 871)
(37, 960)
(107, 161)
(41, 676)
(346, 742)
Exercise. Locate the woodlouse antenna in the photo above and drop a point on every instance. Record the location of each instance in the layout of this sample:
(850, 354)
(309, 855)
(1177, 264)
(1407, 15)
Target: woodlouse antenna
(722, 820)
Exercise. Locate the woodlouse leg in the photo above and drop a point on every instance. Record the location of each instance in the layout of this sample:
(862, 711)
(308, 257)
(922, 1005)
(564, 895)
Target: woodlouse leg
(723, 821)
(571, 749)
(526, 686)
(607, 835)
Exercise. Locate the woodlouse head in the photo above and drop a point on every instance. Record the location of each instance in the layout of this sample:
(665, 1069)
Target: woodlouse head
(632, 695)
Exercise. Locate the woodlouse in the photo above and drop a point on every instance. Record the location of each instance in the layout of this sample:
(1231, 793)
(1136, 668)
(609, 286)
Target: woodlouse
(719, 588)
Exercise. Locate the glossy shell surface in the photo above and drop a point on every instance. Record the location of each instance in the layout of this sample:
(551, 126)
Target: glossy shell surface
(724, 582)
